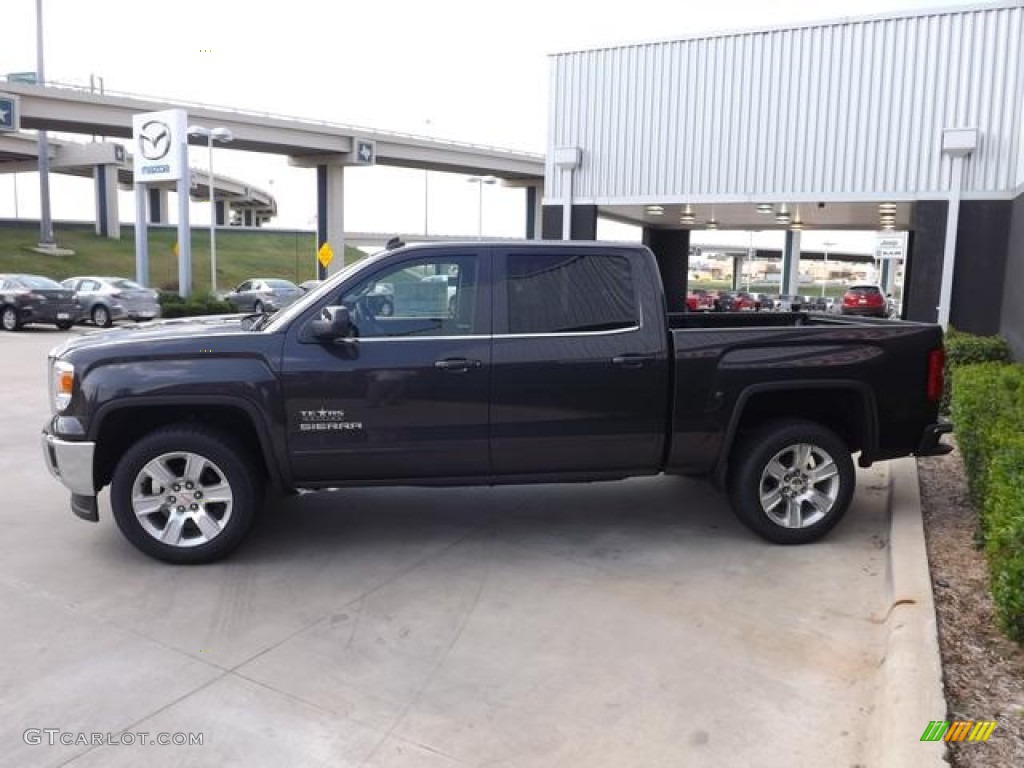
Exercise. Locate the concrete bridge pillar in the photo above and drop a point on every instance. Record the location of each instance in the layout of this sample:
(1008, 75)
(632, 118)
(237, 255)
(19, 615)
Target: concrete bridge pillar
(108, 220)
(330, 207)
(534, 210)
(791, 264)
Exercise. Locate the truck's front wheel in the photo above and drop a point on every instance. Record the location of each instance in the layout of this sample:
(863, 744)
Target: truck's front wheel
(185, 494)
(792, 481)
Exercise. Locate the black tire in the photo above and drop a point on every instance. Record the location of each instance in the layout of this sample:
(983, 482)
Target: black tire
(753, 476)
(101, 316)
(227, 463)
(64, 324)
(9, 319)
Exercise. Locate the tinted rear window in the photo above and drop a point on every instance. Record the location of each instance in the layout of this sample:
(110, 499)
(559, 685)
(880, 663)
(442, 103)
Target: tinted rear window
(281, 285)
(128, 285)
(42, 283)
(865, 289)
(552, 293)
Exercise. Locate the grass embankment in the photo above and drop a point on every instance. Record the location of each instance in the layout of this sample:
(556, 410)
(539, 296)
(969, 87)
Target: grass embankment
(240, 255)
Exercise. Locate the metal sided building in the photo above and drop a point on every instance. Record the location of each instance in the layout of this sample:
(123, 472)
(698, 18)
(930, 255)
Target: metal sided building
(909, 121)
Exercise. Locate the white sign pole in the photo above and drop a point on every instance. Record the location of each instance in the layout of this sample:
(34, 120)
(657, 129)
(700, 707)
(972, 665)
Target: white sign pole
(141, 236)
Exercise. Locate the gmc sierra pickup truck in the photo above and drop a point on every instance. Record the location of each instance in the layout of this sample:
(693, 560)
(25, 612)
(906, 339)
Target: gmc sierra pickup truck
(530, 362)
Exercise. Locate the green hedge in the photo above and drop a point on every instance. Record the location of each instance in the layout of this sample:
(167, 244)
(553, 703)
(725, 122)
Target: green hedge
(988, 410)
(172, 305)
(967, 349)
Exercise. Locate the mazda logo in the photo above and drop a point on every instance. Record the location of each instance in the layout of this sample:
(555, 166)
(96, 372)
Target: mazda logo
(154, 140)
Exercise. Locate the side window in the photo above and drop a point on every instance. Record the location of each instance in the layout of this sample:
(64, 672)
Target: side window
(435, 296)
(88, 285)
(247, 285)
(555, 293)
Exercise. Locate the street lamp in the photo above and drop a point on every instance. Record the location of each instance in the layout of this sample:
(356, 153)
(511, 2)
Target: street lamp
(824, 280)
(480, 181)
(211, 135)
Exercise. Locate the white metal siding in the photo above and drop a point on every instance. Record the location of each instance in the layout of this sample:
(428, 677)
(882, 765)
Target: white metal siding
(846, 108)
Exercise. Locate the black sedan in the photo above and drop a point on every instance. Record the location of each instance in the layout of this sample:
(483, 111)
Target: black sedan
(36, 299)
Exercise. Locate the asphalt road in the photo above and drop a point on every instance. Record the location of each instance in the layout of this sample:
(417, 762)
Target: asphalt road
(624, 624)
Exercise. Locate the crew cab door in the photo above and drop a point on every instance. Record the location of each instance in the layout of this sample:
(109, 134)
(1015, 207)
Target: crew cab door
(580, 382)
(408, 397)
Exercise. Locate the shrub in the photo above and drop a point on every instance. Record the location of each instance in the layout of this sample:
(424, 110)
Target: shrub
(988, 409)
(1004, 534)
(967, 349)
(173, 305)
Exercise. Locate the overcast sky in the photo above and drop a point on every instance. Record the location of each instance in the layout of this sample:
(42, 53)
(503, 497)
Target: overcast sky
(470, 71)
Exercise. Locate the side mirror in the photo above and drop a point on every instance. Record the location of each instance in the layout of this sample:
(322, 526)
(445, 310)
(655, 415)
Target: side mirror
(334, 323)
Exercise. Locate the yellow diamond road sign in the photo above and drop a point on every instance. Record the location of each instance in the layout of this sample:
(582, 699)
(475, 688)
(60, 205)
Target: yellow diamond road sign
(325, 254)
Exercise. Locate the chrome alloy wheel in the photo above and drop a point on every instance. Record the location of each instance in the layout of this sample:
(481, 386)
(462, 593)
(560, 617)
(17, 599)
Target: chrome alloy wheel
(182, 499)
(799, 486)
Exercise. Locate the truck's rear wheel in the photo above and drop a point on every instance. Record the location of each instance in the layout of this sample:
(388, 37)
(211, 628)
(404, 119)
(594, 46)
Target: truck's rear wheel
(185, 494)
(792, 481)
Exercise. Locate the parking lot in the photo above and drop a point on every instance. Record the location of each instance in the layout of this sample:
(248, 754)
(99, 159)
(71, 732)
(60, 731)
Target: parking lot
(626, 624)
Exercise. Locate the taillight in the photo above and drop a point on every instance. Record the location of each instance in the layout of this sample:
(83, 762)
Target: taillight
(936, 373)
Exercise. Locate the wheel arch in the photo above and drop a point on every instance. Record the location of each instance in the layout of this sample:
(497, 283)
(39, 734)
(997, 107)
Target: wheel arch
(118, 426)
(846, 407)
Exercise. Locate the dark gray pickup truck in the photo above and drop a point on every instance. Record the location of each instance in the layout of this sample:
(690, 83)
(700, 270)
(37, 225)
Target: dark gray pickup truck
(492, 363)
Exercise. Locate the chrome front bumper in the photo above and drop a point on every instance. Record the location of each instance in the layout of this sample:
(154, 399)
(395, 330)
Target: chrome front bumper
(70, 462)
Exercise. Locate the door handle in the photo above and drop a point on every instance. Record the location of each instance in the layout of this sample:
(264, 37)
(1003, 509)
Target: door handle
(456, 364)
(633, 361)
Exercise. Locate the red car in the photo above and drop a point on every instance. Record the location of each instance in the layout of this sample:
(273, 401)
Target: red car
(739, 301)
(699, 300)
(865, 300)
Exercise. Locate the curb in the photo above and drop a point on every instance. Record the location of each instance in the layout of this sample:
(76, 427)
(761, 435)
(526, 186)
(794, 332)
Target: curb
(910, 692)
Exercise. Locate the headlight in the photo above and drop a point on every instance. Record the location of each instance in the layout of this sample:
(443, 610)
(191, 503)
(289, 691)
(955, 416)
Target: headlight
(62, 380)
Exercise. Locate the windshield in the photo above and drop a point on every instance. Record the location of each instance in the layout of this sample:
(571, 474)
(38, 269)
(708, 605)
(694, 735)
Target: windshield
(280, 320)
(128, 285)
(42, 283)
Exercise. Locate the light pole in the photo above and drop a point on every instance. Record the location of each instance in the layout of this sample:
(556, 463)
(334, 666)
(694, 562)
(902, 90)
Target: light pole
(222, 135)
(45, 220)
(824, 279)
(480, 181)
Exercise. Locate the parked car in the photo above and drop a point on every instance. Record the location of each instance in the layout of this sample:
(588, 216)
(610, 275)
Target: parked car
(106, 299)
(865, 300)
(534, 380)
(788, 303)
(818, 303)
(699, 300)
(36, 299)
(263, 294)
(738, 301)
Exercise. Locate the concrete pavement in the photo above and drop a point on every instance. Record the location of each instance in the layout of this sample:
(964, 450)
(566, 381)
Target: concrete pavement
(633, 623)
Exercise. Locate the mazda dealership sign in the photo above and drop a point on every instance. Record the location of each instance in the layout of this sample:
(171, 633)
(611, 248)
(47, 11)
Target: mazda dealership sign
(158, 141)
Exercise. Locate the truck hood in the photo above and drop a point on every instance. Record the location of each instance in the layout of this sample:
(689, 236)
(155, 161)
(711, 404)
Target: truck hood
(157, 330)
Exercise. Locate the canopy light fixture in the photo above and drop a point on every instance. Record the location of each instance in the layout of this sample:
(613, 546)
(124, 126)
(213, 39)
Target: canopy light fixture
(712, 224)
(765, 208)
(655, 210)
(887, 208)
(686, 217)
(782, 214)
